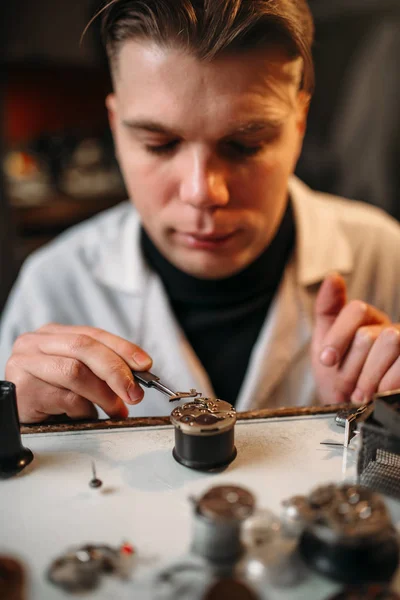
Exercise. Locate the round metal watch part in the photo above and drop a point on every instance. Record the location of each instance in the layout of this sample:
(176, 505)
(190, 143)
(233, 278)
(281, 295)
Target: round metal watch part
(229, 588)
(80, 569)
(204, 434)
(375, 592)
(218, 517)
(348, 535)
(226, 502)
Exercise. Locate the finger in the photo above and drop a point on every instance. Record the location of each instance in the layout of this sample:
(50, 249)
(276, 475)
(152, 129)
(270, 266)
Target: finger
(103, 362)
(391, 380)
(133, 355)
(71, 374)
(77, 407)
(331, 298)
(352, 365)
(338, 339)
(384, 353)
(49, 401)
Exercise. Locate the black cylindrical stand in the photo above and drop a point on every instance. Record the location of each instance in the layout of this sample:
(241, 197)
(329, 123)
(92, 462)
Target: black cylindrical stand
(204, 452)
(13, 456)
(204, 434)
(372, 561)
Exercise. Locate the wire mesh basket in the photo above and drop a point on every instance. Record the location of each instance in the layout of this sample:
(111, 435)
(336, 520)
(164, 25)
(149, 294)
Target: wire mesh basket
(378, 465)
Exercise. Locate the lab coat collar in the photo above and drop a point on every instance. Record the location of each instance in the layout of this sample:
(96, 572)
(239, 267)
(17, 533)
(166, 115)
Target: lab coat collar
(320, 246)
(120, 264)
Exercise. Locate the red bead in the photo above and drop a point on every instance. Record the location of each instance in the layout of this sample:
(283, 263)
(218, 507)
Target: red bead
(127, 549)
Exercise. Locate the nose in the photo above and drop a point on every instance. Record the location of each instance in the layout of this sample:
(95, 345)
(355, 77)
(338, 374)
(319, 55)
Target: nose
(203, 183)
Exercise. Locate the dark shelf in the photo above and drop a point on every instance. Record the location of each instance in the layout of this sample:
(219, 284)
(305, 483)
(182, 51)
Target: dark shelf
(37, 224)
(59, 213)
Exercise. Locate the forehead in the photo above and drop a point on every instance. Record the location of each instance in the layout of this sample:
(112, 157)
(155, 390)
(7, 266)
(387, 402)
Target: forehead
(175, 85)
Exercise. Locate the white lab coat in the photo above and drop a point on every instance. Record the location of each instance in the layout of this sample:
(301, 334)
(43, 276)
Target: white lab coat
(94, 274)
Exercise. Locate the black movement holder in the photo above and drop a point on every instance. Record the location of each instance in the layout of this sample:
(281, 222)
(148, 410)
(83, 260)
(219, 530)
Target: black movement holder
(204, 434)
(13, 456)
(348, 535)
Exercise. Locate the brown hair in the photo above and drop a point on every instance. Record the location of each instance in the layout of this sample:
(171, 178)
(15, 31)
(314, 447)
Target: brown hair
(210, 27)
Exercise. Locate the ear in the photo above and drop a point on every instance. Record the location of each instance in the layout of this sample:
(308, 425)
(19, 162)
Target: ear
(111, 105)
(303, 106)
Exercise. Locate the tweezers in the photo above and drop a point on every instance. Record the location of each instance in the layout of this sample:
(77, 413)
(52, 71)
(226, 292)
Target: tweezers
(150, 380)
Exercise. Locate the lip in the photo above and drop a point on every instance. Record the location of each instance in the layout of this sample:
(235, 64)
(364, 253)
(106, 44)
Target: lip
(209, 241)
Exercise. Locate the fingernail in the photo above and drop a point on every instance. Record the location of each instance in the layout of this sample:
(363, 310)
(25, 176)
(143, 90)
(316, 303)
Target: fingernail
(135, 393)
(142, 359)
(358, 397)
(328, 357)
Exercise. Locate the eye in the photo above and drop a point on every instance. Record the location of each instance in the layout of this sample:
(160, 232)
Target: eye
(162, 148)
(244, 149)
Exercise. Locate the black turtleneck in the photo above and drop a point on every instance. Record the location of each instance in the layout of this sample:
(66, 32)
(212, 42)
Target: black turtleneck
(222, 318)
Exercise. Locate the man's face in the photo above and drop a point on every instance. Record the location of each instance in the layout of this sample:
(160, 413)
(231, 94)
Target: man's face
(206, 150)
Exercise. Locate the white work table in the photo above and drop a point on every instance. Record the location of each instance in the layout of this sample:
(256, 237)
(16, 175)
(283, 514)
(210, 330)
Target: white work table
(144, 499)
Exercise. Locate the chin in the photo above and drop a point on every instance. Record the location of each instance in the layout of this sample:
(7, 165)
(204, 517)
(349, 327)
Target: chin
(210, 270)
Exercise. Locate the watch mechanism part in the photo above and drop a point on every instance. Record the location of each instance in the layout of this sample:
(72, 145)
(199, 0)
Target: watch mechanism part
(347, 533)
(378, 463)
(271, 556)
(150, 380)
(230, 588)
(296, 511)
(349, 419)
(387, 411)
(372, 592)
(342, 415)
(80, 569)
(218, 516)
(182, 395)
(353, 420)
(261, 528)
(226, 502)
(95, 482)
(12, 579)
(204, 433)
(14, 457)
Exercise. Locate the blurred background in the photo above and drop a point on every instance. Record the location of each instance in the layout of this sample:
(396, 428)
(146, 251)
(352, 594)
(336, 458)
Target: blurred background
(57, 159)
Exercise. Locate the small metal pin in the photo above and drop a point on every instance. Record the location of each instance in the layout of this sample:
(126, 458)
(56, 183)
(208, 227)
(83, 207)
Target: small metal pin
(95, 482)
(331, 444)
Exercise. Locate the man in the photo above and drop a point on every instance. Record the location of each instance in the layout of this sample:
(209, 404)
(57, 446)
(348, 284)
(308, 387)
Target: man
(213, 279)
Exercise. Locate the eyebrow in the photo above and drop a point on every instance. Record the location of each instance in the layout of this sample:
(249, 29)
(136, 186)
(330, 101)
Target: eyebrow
(241, 128)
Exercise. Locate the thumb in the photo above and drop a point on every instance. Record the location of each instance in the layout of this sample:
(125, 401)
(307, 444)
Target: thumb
(331, 298)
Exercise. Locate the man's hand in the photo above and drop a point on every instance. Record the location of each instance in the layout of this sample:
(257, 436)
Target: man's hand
(355, 348)
(65, 369)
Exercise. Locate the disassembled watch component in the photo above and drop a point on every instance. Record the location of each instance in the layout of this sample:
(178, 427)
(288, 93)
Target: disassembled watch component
(218, 517)
(342, 415)
(349, 419)
(13, 455)
(150, 380)
(296, 511)
(204, 433)
(95, 482)
(12, 580)
(229, 588)
(271, 556)
(378, 463)
(375, 592)
(80, 569)
(387, 411)
(347, 534)
(181, 395)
